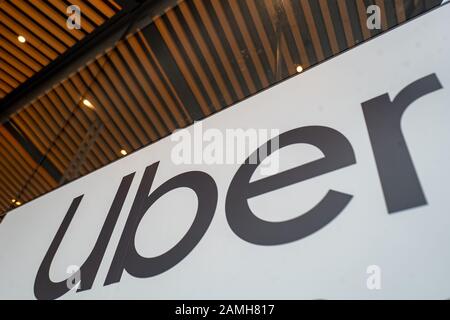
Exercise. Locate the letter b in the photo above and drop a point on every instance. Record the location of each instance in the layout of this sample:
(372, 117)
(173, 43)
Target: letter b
(127, 258)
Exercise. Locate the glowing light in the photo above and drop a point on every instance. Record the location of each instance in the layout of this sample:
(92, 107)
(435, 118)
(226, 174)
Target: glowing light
(21, 39)
(88, 104)
(299, 69)
(123, 152)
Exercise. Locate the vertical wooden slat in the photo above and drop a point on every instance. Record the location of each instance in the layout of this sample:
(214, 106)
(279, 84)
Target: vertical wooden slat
(250, 45)
(218, 44)
(233, 44)
(346, 23)
(384, 24)
(400, 11)
(297, 34)
(282, 45)
(182, 65)
(205, 51)
(362, 13)
(312, 29)
(158, 83)
(329, 25)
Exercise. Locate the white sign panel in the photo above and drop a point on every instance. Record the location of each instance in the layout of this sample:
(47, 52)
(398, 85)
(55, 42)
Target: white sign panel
(357, 208)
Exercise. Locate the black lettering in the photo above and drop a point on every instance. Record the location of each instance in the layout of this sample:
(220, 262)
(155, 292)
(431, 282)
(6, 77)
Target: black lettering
(401, 185)
(127, 258)
(338, 154)
(44, 287)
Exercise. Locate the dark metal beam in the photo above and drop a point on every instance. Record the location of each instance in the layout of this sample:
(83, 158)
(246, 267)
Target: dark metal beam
(164, 57)
(31, 149)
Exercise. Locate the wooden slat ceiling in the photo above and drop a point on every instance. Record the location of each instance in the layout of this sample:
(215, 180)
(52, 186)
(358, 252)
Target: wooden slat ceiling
(196, 59)
(43, 24)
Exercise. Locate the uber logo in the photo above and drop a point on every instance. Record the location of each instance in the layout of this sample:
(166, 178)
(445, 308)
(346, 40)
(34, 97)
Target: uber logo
(399, 180)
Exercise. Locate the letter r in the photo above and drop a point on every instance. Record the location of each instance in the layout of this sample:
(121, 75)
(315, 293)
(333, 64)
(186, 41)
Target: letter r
(399, 180)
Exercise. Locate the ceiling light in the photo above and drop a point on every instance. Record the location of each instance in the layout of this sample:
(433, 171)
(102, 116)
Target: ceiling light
(123, 152)
(13, 200)
(299, 68)
(88, 104)
(21, 39)
(18, 203)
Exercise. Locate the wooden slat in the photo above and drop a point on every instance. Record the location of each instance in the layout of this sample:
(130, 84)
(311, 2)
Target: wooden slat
(61, 105)
(43, 24)
(45, 35)
(8, 80)
(199, 69)
(115, 135)
(86, 9)
(60, 147)
(233, 44)
(100, 98)
(182, 65)
(106, 142)
(312, 30)
(30, 57)
(13, 182)
(86, 25)
(16, 64)
(11, 172)
(45, 51)
(362, 13)
(123, 102)
(11, 71)
(31, 135)
(257, 21)
(113, 4)
(180, 115)
(23, 157)
(76, 112)
(329, 25)
(39, 140)
(106, 7)
(69, 145)
(57, 18)
(205, 51)
(250, 44)
(384, 23)
(297, 35)
(139, 74)
(218, 44)
(57, 31)
(282, 45)
(347, 24)
(133, 95)
(400, 11)
(6, 87)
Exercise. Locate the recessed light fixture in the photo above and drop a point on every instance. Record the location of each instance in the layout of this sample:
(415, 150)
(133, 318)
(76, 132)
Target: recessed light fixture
(13, 200)
(18, 203)
(123, 152)
(21, 39)
(88, 104)
(299, 68)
